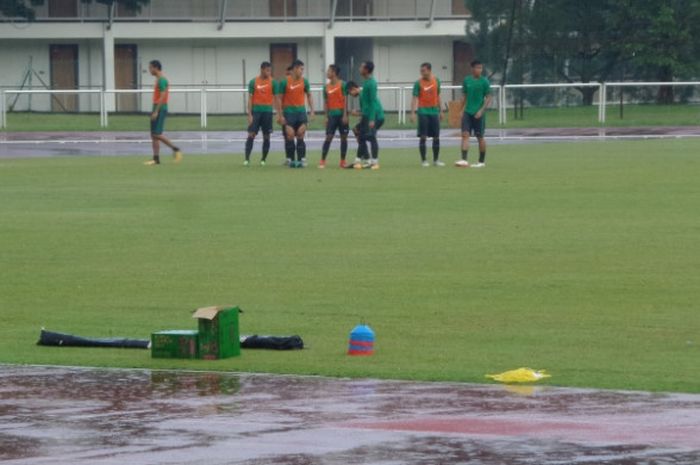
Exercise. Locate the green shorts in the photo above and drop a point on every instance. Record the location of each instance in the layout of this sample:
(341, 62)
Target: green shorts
(158, 124)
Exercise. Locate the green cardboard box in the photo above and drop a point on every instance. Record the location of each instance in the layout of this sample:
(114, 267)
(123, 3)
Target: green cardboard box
(219, 334)
(175, 344)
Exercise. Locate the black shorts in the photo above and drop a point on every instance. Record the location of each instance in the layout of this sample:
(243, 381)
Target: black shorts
(261, 120)
(335, 123)
(295, 119)
(472, 125)
(362, 129)
(428, 126)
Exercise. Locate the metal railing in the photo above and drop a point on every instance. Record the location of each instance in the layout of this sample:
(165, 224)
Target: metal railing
(402, 94)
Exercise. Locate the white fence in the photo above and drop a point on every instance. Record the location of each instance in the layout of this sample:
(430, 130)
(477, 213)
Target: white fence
(396, 97)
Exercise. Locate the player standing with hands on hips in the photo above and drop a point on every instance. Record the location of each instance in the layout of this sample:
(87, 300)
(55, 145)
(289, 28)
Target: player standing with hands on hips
(477, 98)
(161, 93)
(336, 109)
(426, 98)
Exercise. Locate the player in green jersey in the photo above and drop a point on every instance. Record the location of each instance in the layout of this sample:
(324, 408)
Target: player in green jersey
(476, 99)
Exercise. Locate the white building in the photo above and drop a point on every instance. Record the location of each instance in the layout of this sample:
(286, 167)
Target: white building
(221, 43)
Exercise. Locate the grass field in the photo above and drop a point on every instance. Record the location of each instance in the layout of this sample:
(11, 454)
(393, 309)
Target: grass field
(578, 258)
(634, 116)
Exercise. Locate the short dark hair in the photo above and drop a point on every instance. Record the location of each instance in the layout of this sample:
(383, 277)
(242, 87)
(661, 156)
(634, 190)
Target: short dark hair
(426, 65)
(335, 68)
(297, 63)
(265, 64)
(156, 64)
(351, 85)
(289, 68)
(369, 66)
(475, 63)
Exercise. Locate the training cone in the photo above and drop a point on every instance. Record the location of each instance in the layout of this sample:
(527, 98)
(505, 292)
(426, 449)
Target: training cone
(361, 341)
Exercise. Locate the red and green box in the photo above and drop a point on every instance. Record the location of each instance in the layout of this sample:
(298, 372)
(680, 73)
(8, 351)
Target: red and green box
(175, 344)
(219, 334)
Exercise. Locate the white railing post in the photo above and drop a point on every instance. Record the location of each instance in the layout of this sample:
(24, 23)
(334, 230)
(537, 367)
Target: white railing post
(203, 108)
(3, 110)
(504, 107)
(604, 105)
(103, 110)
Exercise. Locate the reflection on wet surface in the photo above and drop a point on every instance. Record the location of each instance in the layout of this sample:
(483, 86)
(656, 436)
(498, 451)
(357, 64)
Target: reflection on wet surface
(85, 416)
(46, 144)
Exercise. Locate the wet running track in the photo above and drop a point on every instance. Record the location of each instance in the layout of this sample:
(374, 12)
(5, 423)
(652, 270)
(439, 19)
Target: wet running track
(42, 144)
(99, 417)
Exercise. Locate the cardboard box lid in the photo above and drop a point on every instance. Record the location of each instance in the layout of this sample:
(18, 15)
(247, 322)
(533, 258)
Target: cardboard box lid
(209, 313)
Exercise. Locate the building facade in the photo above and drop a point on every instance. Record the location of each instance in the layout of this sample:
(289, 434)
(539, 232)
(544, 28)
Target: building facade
(220, 44)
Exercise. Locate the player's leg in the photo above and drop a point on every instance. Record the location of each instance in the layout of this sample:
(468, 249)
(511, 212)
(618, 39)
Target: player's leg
(266, 125)
(422, 139)
(343, 148)
(330, 133)
(434, 132)
(155, 144)
(374, 144)
(289, 146)
(481, 126)
(301, 145)
(466, 132)
(253, 129)
(362, 152)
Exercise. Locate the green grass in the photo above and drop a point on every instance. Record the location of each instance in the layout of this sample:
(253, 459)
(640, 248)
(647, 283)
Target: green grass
(578, 258)
(634, 116)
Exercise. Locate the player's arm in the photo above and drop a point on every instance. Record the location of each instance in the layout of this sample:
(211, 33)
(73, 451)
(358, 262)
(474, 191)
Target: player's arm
(164, 89)
(325, 105)
(487, 103)
(251, 91)
(347, 102)
(414, 101)
(310, 99)
(439, 91)
(372, 101)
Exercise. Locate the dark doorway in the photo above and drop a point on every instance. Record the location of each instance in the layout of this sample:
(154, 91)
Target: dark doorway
(63, 67)
(283, 8)
(281, 56)
(125, 76)
(349, 53)
(463, 54)
(63, 8)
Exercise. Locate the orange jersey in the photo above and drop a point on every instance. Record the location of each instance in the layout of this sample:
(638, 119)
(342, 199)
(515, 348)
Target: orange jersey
(335, 96)
(428, 93)
(161, 88)
(294, 93)
(262, 92)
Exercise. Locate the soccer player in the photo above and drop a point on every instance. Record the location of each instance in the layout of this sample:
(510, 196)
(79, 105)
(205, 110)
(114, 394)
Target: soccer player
(285, 104)
(476, 99)
(335, 107)
(260, 102)
(296, 89)
(426, 98)
(159, 113)
(372, 118)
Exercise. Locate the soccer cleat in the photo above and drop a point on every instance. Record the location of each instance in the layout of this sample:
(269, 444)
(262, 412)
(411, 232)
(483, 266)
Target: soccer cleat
(425, 164)
(343, 164)
(177, 156)
(438, 163)
(357, 166)
(263, 162)
(151, 163)
(287, 162)
(375, 166)
(322, 164)
(479, 165)
(303, 163)
(246, 163)
(462, 164)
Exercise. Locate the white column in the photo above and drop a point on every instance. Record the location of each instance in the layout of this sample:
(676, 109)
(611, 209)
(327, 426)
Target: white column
(328, 48)
(108, 68)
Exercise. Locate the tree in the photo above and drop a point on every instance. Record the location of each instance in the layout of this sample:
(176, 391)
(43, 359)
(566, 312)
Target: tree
(665, 41)
(25, 8)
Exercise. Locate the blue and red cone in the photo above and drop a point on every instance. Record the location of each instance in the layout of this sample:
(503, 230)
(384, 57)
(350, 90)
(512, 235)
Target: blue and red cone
(361, 341)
